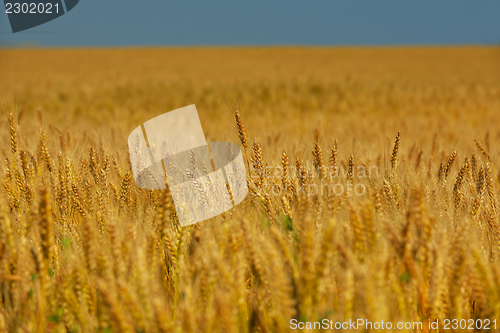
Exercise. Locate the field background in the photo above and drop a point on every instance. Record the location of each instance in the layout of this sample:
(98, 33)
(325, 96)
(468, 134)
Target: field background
(83, 249)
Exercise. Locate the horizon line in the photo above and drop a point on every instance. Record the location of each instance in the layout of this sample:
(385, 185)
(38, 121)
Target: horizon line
(244, 46)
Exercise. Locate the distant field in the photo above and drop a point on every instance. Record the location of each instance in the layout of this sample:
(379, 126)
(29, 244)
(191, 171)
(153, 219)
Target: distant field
(124, 87)
(83, 249)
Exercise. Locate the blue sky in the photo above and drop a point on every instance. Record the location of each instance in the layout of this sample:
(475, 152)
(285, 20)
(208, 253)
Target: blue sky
(271, 22)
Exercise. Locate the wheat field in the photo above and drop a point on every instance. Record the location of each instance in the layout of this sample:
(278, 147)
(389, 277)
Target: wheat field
(410, 136)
